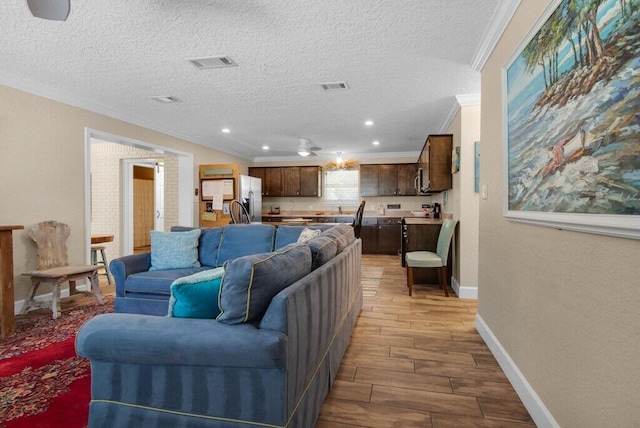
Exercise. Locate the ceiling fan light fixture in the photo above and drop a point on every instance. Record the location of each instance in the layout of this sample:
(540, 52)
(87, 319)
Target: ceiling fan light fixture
(57, 10)
(304, 149)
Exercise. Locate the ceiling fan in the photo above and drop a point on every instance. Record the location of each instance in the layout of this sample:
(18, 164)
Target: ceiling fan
(305, 148)
(54, 10)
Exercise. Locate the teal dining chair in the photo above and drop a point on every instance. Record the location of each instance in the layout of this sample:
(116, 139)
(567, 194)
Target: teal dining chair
(428, 259)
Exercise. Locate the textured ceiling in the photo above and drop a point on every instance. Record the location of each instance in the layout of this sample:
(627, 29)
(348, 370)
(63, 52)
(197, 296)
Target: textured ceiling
(405, 61)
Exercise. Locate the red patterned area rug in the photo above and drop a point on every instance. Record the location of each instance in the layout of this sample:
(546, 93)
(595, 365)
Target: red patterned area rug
(43, 383)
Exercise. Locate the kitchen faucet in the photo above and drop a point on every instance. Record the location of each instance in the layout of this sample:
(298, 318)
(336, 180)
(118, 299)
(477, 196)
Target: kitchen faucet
(339, 209)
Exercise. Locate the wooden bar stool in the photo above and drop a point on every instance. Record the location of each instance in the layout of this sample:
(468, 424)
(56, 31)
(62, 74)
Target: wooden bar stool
(94, 259)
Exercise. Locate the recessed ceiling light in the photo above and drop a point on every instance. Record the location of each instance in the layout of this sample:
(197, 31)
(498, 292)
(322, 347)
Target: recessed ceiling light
(369, 122)
(375, 143)
(166, 99)
(226, 130)
(265, 147)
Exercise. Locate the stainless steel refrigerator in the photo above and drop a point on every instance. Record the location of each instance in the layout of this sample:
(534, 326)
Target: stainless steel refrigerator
(251, 196)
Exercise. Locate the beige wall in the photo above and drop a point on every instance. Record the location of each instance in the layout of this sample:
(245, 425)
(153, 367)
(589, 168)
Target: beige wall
(463, 200)
(42, 168)
(564, 305)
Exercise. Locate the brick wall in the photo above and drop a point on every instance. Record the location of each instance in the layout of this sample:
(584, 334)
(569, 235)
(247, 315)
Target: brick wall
(106, 185)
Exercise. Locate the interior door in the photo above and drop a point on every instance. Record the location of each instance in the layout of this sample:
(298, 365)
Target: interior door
(159, 197)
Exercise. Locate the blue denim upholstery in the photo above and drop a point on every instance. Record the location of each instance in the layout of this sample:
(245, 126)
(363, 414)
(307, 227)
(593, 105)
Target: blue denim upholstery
(141, 291)
(274, 372)
(245, 239)
(288, 234)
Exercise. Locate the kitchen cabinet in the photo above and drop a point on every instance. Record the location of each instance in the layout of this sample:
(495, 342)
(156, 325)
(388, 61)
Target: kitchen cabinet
(407, 173)
(435, 161)
(369, 235)
(289, 181)
(388, 180)
(310, 180)
(272, 185)
(324, 220)
(257, 172)
(381, 235)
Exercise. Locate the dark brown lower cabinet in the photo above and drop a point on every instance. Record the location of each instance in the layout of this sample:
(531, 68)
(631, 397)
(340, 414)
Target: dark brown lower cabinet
(381, 235)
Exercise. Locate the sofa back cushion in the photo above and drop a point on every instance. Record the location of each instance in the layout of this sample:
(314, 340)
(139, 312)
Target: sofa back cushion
(323, 248)
(208, 243)
(343, 234)
(250, 282)
(289, 234)
(245, 239)
(172, 250)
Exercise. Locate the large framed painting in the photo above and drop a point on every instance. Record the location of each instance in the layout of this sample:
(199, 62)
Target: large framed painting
(571, 100)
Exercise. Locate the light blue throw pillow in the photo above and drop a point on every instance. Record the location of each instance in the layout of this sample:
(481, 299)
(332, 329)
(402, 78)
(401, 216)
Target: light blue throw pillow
(174, 250)
(196, 296)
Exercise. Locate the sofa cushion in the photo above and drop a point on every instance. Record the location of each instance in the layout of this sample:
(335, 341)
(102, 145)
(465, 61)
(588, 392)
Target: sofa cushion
(156, 281)
(250, 282)
(344, 235)
(174, 250)
(323, 248)
(289, 234)
(207, 244)
(196, 296)
(244, 239)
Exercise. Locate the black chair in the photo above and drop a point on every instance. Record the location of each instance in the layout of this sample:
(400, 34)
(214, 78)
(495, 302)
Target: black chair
(357, 220)
(239, 213)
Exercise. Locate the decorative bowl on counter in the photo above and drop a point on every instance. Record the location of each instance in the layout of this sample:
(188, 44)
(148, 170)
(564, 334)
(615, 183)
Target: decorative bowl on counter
(419, 213)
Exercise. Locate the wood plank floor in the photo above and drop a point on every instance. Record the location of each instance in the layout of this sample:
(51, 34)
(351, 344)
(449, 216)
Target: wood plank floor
(418, 362)
(412, 362)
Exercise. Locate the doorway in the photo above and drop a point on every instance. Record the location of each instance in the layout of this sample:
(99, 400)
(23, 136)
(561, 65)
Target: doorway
(112, 208)
(144, 206)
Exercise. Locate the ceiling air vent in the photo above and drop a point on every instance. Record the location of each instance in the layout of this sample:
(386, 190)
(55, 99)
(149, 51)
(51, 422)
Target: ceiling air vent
(166, 99)
(334, 86)
(212, 62)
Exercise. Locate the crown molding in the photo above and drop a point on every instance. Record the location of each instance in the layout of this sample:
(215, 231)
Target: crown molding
(53, 94)
(460, 100)
(497, 24)
(468, 99)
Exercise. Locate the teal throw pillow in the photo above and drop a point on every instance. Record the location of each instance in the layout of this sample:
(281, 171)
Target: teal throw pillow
(196, 296)
(174, 250)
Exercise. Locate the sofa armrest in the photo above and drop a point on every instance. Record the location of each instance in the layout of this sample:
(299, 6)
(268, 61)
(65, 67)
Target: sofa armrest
(144, 339)
(122, 267)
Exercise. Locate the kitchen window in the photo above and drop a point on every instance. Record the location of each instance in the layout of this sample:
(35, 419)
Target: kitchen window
(342, 187)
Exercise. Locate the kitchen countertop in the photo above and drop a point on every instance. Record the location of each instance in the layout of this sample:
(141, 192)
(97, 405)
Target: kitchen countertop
(409, 218)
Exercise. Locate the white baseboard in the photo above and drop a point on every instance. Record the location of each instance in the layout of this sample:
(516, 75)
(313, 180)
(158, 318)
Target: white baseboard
(464, 292)
(538, 411)
(19, 304)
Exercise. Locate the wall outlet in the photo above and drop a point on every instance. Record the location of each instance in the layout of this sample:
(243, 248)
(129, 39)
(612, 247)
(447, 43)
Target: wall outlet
(485, 191)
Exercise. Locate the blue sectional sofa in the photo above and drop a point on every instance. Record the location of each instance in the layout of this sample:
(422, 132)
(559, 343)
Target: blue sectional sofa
(266, 361)
(140, 290)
